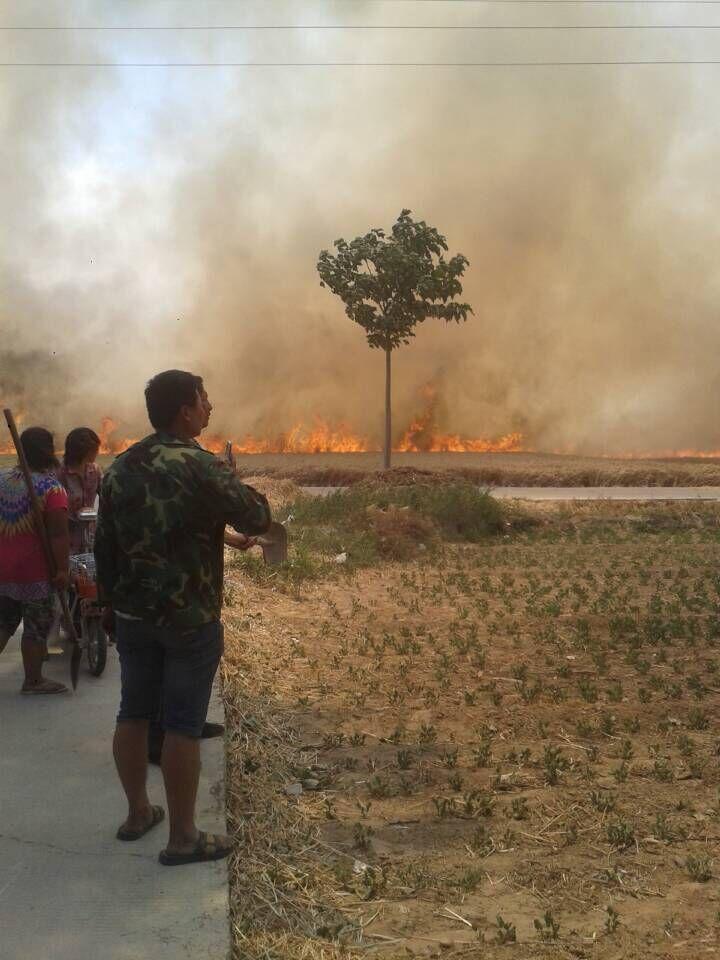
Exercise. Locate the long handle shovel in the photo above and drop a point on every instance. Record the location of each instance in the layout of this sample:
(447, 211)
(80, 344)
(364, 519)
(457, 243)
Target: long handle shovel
(45, 542)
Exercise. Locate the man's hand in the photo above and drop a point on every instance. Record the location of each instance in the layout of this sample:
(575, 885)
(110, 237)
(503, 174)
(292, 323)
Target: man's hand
(238, 540)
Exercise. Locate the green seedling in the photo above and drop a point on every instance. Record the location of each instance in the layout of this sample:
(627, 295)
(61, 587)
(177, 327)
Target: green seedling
(478, 804)
(482, 754)
(364, 808)
(603, 800)
(506, 932)
(470, 879)
(362, 836)
(662, 829)
(620, 774)
(455, 782)
(699, 868)
(444, 807)
(519, 809)
(427, 734)
(697, 719)
(548, 928)
(662, 771)
(332, 740)
(405, 759)
(379, 788)
(554, 763)
(585, 729)
(620, 834)
(608, 723)
(612, 920)
(397, 735)
(588, 691)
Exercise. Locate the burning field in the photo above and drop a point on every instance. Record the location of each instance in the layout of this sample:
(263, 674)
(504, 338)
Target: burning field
(456, 728)
(323, 453)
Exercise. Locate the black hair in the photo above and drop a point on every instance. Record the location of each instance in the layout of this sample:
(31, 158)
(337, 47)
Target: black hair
(39, 448)
(167, 392)
(79, 443)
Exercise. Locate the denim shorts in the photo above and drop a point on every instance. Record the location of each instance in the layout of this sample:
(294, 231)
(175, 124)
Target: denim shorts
(167, 673)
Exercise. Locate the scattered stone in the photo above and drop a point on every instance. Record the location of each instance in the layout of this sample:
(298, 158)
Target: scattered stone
(341, 558)
(294, 789)
(311, 784)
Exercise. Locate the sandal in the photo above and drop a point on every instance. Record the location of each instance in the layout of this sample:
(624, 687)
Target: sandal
(158, 815)
(209, 846)
(45, 686)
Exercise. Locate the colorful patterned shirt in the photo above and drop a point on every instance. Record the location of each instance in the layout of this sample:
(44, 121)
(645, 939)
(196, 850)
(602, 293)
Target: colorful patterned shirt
(23, 574)
(164, 504)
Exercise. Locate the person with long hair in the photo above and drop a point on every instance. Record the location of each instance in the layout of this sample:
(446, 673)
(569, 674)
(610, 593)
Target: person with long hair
(81, 477)
(25, 592)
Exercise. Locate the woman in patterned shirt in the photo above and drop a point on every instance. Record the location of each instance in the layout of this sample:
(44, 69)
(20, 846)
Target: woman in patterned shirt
(25, 593)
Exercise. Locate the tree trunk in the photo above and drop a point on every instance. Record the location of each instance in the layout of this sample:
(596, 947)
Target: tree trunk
(388, 414)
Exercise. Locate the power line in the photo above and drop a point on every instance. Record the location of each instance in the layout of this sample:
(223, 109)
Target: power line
(350, 63)
(629, 26)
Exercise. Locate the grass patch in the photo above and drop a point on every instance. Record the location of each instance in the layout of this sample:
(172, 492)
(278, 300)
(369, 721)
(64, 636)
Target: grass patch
(371, 523)
(459, 511)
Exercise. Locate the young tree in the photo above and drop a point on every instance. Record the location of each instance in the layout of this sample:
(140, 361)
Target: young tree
(389, 284)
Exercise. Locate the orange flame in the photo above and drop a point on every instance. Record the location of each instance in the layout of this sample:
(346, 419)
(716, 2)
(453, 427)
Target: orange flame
(108, 446)
(422, 435)
(322, 436)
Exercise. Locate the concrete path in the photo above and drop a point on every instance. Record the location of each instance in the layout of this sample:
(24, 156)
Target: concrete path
(68, 889)
(579, 493)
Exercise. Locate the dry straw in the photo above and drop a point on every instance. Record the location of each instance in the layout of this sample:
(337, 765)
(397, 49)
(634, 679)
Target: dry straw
(283, 897)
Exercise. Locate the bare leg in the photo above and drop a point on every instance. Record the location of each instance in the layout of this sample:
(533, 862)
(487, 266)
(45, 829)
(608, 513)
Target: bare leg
(33, 654)
(130, 746)
(181, 772)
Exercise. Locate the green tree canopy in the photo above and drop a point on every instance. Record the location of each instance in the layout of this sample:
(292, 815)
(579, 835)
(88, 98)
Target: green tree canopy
(389, 284)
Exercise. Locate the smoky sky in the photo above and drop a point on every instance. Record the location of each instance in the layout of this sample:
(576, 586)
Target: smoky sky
(172, 216)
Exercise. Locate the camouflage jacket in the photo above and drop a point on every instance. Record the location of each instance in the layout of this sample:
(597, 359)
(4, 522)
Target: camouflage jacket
(164, 504)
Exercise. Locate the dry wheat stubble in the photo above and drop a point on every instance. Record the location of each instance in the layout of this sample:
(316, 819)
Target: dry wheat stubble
(505, 731)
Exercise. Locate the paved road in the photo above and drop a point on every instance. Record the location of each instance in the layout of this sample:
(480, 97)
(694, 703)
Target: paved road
(580, 493)
(68, 889)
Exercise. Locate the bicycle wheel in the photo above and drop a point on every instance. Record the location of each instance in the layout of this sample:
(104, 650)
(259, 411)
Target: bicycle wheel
(96, 642)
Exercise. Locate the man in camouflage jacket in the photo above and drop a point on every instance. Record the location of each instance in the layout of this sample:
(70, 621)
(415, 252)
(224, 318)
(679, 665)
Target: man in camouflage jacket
(164, 504)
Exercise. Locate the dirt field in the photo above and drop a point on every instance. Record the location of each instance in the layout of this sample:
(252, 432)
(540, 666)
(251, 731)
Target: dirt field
(499, 748)
(499, 469)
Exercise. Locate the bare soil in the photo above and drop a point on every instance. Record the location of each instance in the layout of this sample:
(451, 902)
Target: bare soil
(498, 469)
(515, 747)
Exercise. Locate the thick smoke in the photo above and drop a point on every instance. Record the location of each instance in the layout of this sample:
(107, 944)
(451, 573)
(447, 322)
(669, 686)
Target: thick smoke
(173, 217)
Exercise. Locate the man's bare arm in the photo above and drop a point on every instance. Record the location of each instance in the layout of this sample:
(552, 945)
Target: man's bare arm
(59, 537)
